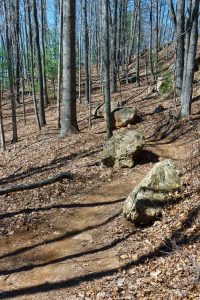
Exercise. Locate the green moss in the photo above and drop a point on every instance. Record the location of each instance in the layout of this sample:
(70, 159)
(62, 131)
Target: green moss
(166, 87)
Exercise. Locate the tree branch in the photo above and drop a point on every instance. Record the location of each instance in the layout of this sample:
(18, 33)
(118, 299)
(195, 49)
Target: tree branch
(37, 184)
(172, 12)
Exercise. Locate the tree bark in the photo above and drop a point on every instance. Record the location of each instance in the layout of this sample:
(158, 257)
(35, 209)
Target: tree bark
(39, 66)
(17, 43)
(10, 74)
(60, 66)
(186, 97)
(69, 119)
(32, 65)
(86, 50)
(106, 66)
(114, 49)
(138, 43)
(45, 92)
(180, 28)
(2, 135)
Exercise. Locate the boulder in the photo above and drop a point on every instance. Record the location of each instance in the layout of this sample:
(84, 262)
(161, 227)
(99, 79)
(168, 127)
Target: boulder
(122, 149)
(124, 116)
(144, 204)
(99, 111)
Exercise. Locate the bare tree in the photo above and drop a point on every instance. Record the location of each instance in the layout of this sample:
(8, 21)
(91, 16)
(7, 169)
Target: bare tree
(45, 92)
(32, 63)
(39, 66)
(191, 47)
(86, 52)
(2, 135)
(60, 65)
(178, 19)
(69, 119)
(106, 66)
(138, 42)
(10, 71)
(114, 48)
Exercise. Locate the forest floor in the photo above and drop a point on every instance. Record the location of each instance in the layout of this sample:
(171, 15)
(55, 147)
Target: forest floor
(69, 240)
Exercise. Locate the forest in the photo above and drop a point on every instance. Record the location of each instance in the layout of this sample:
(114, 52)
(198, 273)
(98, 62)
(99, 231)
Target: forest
(99, 149)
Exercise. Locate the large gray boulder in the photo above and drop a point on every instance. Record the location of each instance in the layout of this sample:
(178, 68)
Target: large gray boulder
(124, 116)
(122, 149)
(144, 204)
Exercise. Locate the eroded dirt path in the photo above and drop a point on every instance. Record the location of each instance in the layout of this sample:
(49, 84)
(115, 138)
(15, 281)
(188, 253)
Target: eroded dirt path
(82, 242)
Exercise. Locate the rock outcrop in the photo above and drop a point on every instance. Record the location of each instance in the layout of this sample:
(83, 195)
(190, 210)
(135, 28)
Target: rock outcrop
(144, 204)
(122, 149)
(124, 116)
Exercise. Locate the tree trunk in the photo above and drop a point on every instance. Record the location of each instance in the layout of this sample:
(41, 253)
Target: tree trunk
(106, 66)
(69, 119)
(10, 74)
(60, 66)
(151, 41)
(32, 65)
(17, 40)
(2, 135)
(190, 61)
(46, 99)
(180, 28)
(138, 43)
(86, 50)
(39, 66)
(156, 37)
(114, 49)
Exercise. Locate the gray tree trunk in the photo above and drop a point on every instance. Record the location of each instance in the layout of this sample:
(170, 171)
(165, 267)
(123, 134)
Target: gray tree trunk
(114, 49)
(60, 66)
(190, 61)
(2, 135)
(46, 99)
(10, 73)
(39, 66)
(17, 41)
(138, 42)
(69, 119)
(156, 40)
(32, 65)
(180, 28)
(86, 49)
(151, 41)
(178, 19)
(106, 66)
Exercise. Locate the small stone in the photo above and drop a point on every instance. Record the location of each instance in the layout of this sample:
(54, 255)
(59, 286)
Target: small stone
(124, 256)
(101, 295)
(120, 282)
(134, 257)
(81, 295)
(155, 274)
(10, 233)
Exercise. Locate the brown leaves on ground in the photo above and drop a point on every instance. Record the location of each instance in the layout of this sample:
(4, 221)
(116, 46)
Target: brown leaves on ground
(69, 240)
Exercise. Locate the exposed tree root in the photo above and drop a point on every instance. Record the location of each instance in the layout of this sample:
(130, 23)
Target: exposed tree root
(37, 184)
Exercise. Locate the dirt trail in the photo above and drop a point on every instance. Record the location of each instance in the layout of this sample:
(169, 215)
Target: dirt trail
(76, 246)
